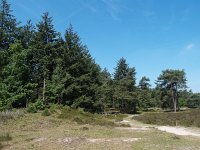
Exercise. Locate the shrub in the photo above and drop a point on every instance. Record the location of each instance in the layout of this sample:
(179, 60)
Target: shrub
(54, 107)
(31, 108)
(183, 118)
(39, 105)
(46, 112)
(81, 117)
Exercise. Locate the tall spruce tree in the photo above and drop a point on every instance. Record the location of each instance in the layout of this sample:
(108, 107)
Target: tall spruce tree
(8, 25)
(8, 33)
(43, 60)
(17, 88)
(144, 94)
(125, 90)
(107, 90)
(27, 34)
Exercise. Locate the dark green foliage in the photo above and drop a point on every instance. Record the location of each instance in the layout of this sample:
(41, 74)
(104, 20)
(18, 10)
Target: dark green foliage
(172, 81)
(125, 97)
(193, 100)
(31, 108)
(17, 88)
(107, 89)
(144, 94)
(39, 68)
(8, 26)
(183, 118)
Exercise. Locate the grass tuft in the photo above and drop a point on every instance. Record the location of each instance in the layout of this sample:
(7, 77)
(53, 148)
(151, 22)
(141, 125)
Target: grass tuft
(9, 114)
(4, 138)
(46, 112)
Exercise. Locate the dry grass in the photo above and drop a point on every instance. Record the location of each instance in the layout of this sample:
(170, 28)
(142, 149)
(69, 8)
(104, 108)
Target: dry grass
(34, 131)
(6, 115)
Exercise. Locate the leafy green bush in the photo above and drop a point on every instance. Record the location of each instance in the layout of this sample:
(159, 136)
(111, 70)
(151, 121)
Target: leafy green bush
(39, 105)
(46, 112)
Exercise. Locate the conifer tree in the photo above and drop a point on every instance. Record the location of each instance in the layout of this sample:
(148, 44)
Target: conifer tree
(8, 25)
(144, 94)
(125, 90)
(43, 60)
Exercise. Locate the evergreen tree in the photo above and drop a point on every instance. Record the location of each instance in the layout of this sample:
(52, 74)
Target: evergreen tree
(43, 60)
(121, 70)
(8, 25)
(17, 88)
(144, 94)
(27, 34)
(125, 90)
(107, 89)
(172, 80)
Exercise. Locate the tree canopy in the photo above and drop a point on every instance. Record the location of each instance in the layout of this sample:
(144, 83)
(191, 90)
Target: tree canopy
(40, 67)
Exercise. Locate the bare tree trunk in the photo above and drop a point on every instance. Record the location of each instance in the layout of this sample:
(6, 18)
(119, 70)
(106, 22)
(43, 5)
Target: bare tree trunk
(174, 103)
(174, 99)
(113, 103)
(44, 90)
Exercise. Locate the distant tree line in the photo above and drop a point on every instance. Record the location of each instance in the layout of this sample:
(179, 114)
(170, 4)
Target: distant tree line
(38, 67)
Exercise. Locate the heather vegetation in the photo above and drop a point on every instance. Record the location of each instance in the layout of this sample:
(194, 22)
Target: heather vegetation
(188, 118)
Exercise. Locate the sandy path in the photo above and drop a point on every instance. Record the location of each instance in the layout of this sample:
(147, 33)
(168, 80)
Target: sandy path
(179, 130)
(170, 129)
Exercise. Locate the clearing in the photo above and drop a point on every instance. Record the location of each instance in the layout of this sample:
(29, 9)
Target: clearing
(33, 131)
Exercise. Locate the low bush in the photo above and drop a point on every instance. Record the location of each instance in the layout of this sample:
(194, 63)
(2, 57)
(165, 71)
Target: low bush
(31, 108)
(39, 105)
(54, 107)
(183, 118)
(46, 112)
(81, 117)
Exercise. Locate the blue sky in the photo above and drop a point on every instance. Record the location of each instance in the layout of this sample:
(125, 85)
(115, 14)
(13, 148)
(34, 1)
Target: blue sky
(152, 35)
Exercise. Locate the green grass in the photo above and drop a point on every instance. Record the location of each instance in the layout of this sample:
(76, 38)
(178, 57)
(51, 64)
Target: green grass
(189, 118)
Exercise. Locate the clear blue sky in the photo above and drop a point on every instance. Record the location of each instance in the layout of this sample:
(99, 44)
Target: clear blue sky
(152, 35)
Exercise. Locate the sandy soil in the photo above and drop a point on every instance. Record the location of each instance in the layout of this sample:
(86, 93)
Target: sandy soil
(135, 125)
(179, 130)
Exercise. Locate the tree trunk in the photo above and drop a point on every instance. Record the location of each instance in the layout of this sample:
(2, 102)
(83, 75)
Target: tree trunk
(174, 99)
(174, 103)
(44, 89)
